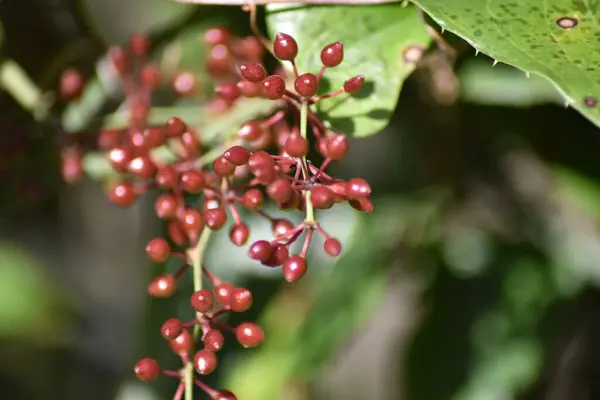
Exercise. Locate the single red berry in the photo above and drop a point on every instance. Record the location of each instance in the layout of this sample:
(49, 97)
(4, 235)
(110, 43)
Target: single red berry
(119, 158)
(71, 164)
(139, 44)
(184, 83)
(285, 47)
(166, 206)
(123, 194)
(150, 76)
(253, 72)
(190, 142)
(166, 177)
(249, 89)
(273, 87)
(294, 268)
(354, 84)
(216, 218)
(251, 48)
(158, 250)
(339, 191)
(321, 197)
(162, 286)
(119, 59)
(260, 250)
(296, 146)
(177, 233)
(228, 92)
(280, 190)
(222, 167)
(278, 257)
(332, 54)
(248, 334)
(223, 293)
(239, 234)
(217, 35)
(202, 301)
(205, 362)
(237, 155)
(260, 160)
(182, 344)
(281, 226)
(306, 85)
(71, 84)
(171, 328)
(175, 127)
(364, 204)
(241, 299)
(253, 199)
(142, 167)
(109, 139)
(147, 369)
(250, 131)
(191, 221)
(213, 340)
(357, 189)
(337, 147)
(332, 246)
(294, 202)
(154, 136)
(193, 181)
(224, 395)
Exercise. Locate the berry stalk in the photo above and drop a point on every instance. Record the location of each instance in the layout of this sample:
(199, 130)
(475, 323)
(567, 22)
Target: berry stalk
(310, 212)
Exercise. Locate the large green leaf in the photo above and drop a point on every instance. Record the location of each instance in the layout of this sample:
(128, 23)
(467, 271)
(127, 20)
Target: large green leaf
(557, 39)
(375, 40)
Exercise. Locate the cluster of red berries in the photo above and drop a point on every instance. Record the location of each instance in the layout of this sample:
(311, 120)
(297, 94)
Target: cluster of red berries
(266, 159)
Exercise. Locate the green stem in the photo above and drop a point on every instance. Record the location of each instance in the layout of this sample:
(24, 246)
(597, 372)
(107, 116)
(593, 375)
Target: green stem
(15, 81)
(195, 255)
(310, 212)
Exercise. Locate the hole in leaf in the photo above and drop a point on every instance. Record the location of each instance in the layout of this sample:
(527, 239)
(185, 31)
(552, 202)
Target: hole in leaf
(567, 22)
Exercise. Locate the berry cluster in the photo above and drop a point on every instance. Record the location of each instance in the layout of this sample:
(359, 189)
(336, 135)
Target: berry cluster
(267, 158)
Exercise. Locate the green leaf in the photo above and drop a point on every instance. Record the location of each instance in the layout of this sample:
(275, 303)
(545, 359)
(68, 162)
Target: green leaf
(375, 39)
(527, 34)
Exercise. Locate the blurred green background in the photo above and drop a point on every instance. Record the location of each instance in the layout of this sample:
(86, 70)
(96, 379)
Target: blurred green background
(476, 278)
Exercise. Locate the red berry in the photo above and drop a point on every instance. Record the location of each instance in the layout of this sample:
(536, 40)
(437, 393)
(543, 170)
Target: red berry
(154, 136)
(72, 164)
(222, 167)
(321, 197)
(216, 218)
(193, 181)
(260, 160)
(296, 146)
(158, 250)
(162, 286)
(253, 199)
(285, 47)
(248, 334)
(239, 234)
(166, 206)
(139, 44)
(354, 84)
(224, 395)
(177, 233)
(147, 369)
(228, 92)
(357, 189)
(171, 329)
(237, 155)
(119, 158)
(260, 250)
(190, 142)
(191, 221)
(364, 204)
(294, 268)
(205, 362)
(217, 35)
(250, 131)
(123, 194)
(241, 299)
(273, 87)
(119, 59)
(251, 48)
(278, 257)
(337, 147)
(184, 83)
(280, 191)
(150, 76)
(332, 54)
(183, 343)
(109, 139)
(142, 167)
(71, 84)
(306, 85)
(213, 340)
(175, 127)
(332, 246)
(223, 293)
(202, 301)
(281, 226)
(253, 72)
(249, 89)
(166, 177)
